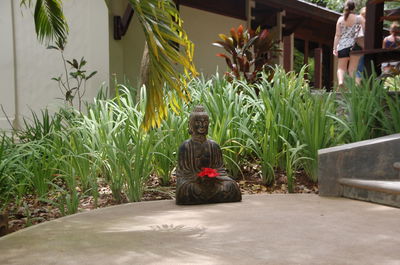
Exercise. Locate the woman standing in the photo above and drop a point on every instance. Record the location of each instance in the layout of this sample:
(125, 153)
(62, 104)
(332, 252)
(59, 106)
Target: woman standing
(360, 38)
(391, 42)
(347, 28)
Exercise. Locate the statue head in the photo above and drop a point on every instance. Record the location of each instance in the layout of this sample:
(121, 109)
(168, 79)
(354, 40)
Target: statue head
(198, 121)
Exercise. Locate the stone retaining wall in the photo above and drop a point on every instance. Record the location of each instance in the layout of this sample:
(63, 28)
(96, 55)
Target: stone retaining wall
(371, 160)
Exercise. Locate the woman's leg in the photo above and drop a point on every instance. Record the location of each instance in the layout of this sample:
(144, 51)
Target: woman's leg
(353, 63)
(342, 69)
(360, 69)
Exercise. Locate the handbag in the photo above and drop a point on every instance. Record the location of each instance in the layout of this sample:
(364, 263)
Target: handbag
(359, 39)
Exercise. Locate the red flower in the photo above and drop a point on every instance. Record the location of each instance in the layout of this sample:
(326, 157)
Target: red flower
(208, 172)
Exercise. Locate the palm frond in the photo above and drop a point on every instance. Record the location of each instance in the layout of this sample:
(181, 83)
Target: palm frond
(163, 32)
(50, 23)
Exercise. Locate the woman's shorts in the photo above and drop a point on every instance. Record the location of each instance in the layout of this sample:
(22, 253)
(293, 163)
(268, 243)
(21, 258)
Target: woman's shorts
(344, 53)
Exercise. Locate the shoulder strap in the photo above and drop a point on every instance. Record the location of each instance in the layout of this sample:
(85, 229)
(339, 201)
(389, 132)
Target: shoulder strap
(358, 19)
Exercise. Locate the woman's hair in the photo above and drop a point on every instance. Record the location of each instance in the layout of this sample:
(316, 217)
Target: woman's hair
(363, 11)
(395, 28)
(348, 8)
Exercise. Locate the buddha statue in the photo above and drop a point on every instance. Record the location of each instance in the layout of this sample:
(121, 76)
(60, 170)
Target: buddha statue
(196, 154)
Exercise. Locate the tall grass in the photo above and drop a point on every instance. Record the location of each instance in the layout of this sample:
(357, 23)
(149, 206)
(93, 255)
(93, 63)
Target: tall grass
(274, 118)
(361, 105)
(39, 126)
(389, 117)
(227, 106)
(277, 123)
(316, 127)
(172, 132)
(133, 146)
(292, 161)
(9, 170)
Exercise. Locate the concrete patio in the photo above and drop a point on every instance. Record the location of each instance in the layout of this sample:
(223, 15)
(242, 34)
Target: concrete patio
(263, 229)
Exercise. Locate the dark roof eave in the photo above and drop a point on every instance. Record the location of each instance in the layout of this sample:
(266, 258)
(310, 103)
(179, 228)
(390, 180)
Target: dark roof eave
(296, 6)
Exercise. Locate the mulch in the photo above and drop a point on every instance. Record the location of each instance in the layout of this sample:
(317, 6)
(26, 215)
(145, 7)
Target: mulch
(34, 211)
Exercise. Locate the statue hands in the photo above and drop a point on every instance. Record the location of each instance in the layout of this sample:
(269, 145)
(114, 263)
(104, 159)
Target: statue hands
(201, 180)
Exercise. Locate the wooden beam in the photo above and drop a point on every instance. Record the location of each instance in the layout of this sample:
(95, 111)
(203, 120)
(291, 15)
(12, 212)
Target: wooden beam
(304, 9)
(318, 68)
(292, 25)
(121, 24)
(305, 34)
(267, 19)
(305, 58)
(373, 34)
(327, 67)
(306, 51)
(381, 55)
(332, 67)
(288, 52)
(373, 26)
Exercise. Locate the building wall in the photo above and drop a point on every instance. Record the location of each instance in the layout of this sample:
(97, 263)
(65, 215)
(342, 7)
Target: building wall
(7, 74)
(125, 54)
(27, 66)
(203, 28)
(33, 65)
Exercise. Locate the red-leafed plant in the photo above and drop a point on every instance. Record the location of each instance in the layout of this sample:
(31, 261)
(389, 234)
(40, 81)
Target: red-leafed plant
(208, 172)
(249, 52)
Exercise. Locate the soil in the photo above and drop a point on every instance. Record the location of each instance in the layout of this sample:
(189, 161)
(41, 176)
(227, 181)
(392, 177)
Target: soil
(34, 211)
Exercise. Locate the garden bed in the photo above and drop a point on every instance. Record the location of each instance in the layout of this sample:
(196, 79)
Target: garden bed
(34, 211)
(68, 157)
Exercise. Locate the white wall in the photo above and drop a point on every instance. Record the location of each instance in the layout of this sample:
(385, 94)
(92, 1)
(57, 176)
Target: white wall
(133, 47)
(203, 28)
(7, 77)
(35, 65)
(125, 54)
(91, 36)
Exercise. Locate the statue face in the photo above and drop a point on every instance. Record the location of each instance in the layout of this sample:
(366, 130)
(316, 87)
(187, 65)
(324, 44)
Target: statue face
(199, 125)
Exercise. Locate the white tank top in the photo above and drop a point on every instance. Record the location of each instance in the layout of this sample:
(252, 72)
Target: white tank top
(348, 34)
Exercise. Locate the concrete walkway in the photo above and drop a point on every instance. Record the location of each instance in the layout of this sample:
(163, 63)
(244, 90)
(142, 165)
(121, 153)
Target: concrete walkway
(263, 229)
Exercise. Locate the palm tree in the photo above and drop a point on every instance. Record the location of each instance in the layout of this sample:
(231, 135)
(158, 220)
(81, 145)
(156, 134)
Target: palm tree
(162, 29)
(50, 23)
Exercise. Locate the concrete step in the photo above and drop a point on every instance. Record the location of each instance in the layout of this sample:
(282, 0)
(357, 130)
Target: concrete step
(378, 191)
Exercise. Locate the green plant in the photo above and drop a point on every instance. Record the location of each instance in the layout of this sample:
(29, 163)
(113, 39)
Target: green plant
(274, 118)
(170, 135)
(249, 52)
(361, 105)
(228, 111)
(40, 165)
(50, 23)
(293, 161)
(133, 146)
(317, 128)
(83, 158)
(28, 215)
(389, 116)
(74, 81)
(39, 127)
(65, 155)
(163, 31)
(7, 159)
(124, 149)
(66, 195)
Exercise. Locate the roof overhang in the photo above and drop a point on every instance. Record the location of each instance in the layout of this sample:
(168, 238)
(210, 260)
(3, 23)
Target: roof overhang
(303, 8)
